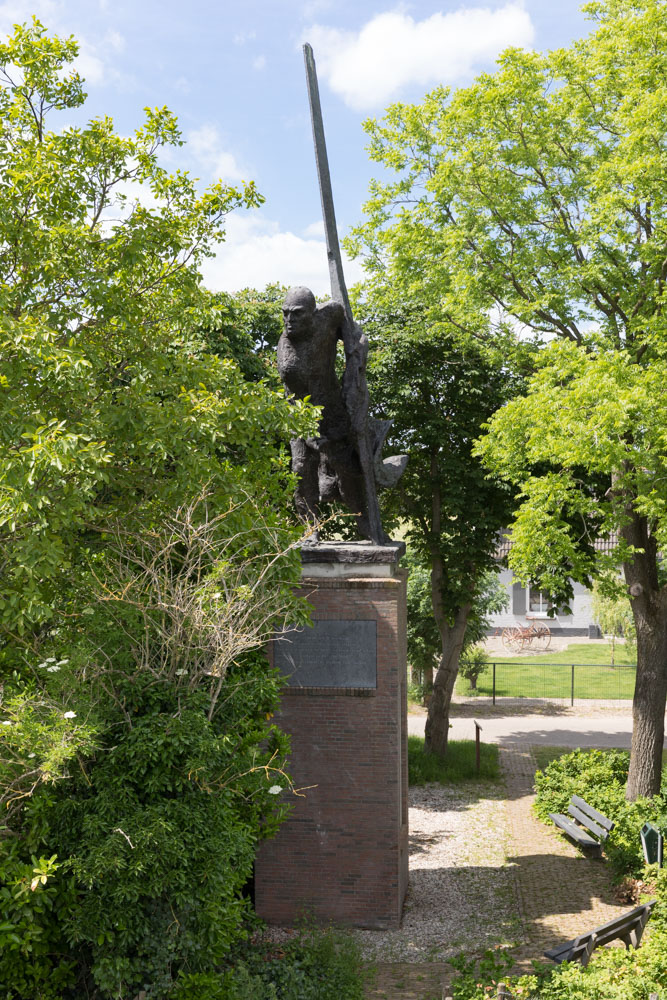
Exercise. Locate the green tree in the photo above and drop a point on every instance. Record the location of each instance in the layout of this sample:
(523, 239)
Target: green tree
(424, 647)
(246, 327)
(439, 392)
(106, 409)
(148, 550)
(535, 200)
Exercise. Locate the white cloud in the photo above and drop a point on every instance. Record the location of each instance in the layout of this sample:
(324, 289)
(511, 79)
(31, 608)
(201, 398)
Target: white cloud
(314, 7)
(315, 229)
(256, 252)
(241, 37)
(259, 62)
(88, 64)
(21, 11)
(115, 41)
(368, 68)
(206, 147)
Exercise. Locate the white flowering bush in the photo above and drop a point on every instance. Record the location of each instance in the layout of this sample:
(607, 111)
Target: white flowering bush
(148, 553)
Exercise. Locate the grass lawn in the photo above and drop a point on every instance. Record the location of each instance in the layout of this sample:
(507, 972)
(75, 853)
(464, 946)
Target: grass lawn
(457, 766)
(576, 652)
(549, 675)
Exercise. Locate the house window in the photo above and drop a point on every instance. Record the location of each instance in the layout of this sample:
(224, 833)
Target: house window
(538, 602)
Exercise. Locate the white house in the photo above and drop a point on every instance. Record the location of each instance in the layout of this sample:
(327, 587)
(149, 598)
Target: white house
(528, 605)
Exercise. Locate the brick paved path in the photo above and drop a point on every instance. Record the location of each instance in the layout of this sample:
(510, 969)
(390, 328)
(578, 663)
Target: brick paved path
(558, 892)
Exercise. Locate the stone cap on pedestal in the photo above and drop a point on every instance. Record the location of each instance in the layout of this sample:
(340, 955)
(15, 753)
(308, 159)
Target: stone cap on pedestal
(350, 559)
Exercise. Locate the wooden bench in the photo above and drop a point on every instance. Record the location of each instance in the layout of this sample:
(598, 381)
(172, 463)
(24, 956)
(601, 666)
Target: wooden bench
(627, 928)
(586, 825)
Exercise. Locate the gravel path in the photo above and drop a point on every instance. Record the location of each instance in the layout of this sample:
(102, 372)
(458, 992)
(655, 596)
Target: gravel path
(461, 889)
(484, 871)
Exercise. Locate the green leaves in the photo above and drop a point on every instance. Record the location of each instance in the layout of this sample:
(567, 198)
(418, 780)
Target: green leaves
(109, 400)
(439, 392)
(537, 192)
(587, 436)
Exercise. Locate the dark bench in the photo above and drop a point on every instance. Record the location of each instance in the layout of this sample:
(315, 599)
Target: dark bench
(586, 825)
(627, 928)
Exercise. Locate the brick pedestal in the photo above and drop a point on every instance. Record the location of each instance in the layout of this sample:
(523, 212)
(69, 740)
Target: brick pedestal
(342, 855)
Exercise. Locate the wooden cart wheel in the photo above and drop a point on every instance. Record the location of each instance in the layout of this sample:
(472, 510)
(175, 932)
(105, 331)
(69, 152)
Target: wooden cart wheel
(513, 637)
(542, 636)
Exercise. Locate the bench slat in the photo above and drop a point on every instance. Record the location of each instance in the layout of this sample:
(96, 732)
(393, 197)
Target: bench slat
(576, 832)
(626, 922)
(629, 927)
(582, 804)
(586, 821)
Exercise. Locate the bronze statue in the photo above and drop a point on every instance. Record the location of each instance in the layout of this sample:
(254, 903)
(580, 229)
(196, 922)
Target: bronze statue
(333, 465)
(344, 462)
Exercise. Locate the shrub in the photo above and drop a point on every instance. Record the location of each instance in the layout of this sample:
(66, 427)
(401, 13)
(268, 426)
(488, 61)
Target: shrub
(148, 548)
(315, 965)
(613, 973)
(599, 777)
(473, 662)
(35, 898)
(153, 832)
(161, 834)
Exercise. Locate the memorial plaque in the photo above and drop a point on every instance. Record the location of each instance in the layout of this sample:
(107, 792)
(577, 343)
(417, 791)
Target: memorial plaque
(330, 654)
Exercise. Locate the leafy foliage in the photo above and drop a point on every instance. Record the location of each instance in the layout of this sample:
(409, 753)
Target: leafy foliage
(313, 965)
(106, 409)
(438, 394)
(148, 553)
(35, 960)
(154, 823)
(246, 327)
(473, 663)
(495, 227)
(424, 641)
(612, 611)
(438, 391)
(599, 777)
(613, 974)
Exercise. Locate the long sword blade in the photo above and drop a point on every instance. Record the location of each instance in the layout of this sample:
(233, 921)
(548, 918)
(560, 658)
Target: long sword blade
(356, 398)
(338, 287)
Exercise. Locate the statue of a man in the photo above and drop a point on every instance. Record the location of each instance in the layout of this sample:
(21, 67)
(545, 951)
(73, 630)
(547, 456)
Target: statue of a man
(344, 462)
(328, 466)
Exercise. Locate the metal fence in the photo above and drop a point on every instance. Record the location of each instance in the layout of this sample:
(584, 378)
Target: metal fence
(554, 681)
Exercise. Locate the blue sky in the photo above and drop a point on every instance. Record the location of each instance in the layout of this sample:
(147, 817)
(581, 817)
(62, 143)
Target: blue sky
(233, 73)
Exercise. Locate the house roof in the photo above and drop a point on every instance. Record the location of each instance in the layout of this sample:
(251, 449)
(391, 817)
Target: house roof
(604, 545)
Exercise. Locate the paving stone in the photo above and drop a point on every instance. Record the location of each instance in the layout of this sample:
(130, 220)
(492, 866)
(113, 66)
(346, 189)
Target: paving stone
(558, 892)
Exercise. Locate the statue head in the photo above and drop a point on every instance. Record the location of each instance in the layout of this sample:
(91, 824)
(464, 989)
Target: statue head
(298, 311)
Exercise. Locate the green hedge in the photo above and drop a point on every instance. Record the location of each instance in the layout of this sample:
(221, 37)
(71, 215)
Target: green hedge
(599, 777)
(314, 965)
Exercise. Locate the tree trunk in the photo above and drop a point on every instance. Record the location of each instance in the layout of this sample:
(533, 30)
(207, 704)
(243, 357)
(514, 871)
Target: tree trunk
(649, 607)
(436, 734)
(437, 722)
(648, 706)
(427, 684)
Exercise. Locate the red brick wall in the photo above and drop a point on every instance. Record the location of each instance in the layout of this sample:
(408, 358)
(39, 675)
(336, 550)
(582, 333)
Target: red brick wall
(342, 855)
